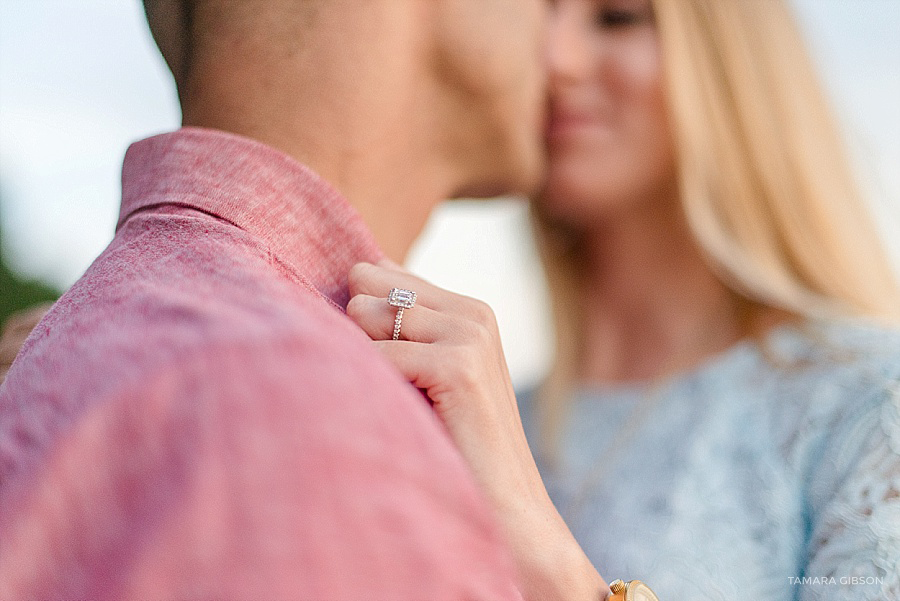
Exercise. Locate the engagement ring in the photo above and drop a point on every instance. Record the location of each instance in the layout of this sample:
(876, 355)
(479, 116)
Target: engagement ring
(402, 299)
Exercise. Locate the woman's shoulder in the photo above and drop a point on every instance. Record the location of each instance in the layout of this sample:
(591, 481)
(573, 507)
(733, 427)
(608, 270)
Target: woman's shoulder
(862, 337)
(801, 380)
(832, 383)
(848, 444)
(844, 354)
(821, 360)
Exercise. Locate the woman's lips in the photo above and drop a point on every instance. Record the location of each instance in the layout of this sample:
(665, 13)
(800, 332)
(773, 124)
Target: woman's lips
(563, 125)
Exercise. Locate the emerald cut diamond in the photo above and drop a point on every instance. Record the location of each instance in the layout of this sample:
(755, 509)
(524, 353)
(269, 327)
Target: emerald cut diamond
(404, 299)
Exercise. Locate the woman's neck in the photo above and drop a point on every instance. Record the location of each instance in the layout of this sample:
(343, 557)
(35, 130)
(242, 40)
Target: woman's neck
(651, 305)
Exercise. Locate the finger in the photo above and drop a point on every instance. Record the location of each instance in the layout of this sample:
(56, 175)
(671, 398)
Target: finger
(24, 321)
(378, 280)
(419, 324)
(438, 370)
(388, 264)
(416, 362)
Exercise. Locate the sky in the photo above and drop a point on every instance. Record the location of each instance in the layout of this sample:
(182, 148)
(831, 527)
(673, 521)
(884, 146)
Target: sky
(81, 79)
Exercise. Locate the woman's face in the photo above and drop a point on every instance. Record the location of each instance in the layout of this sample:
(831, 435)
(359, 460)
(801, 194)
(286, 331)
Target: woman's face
(608, 135)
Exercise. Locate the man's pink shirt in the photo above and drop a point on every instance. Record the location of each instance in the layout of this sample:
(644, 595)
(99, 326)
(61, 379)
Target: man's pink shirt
(197, 418)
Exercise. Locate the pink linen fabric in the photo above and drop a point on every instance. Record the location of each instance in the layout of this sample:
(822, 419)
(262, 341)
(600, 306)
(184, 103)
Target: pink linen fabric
(197, 418)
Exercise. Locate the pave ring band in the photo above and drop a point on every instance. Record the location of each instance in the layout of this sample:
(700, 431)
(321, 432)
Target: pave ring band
(402, 299)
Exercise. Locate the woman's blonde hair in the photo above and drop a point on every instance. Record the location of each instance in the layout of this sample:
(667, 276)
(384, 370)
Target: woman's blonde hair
(764, 182)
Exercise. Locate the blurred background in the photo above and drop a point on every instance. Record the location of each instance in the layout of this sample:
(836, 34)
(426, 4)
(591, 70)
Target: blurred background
(80, 80)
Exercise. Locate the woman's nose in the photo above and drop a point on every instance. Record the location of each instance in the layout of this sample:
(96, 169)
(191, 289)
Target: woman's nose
(567, 48)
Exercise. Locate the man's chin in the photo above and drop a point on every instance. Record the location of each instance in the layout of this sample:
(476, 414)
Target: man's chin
(525, 179)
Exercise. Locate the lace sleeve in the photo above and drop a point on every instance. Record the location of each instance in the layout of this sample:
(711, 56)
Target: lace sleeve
(854, 549)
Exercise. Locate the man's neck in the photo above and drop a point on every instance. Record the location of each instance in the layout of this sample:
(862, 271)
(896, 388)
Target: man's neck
(393, 189)
(355, 114)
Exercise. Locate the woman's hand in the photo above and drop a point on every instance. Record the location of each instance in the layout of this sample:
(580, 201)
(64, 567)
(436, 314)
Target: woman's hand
(14, 332)
(450, 347)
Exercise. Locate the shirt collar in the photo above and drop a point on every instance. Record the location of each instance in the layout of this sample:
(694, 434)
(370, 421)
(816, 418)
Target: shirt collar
(305, 222)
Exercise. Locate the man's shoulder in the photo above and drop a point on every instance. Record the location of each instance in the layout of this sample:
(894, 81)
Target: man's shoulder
(302, 417)
(110, 331)
(125, 315)
(137, 321)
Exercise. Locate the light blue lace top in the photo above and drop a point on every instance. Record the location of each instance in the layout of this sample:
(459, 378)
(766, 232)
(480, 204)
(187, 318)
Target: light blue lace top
(754, 477)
